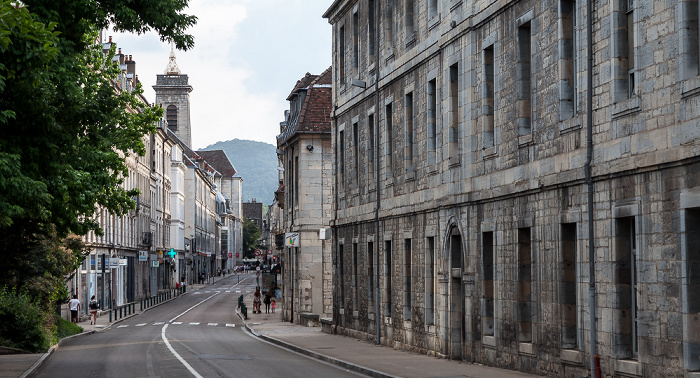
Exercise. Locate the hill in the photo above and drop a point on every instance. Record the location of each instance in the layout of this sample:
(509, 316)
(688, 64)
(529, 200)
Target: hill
(256, 162)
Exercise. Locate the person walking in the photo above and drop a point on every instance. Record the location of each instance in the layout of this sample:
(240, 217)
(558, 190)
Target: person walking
(256, 301)
(267, 301)
(273, 305)
(94, 306)
(74, 308)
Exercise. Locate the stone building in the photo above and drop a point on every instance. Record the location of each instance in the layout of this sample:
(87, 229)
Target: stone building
(305, 200)
(461, 218)
(173, 94)
(253, 211)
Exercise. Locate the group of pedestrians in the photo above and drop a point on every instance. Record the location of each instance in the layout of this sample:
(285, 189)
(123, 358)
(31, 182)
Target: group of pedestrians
(269, 300)
(74, 305)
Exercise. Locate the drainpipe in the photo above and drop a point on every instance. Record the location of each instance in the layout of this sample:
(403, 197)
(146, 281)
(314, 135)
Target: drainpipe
(589, 182)
(291, 249)
(376, 151)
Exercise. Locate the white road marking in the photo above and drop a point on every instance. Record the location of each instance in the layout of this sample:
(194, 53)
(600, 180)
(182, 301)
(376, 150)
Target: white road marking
(122, 326)
(213, 324)
(172, 350)
(158, 323)
(188, 310)
(141, 325)
(228, 291)
(178, 323)
(194, 323)
(230, 325)
(238, 291)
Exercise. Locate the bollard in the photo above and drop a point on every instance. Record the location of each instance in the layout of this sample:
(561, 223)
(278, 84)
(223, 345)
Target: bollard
(244, 311)
(110, 316)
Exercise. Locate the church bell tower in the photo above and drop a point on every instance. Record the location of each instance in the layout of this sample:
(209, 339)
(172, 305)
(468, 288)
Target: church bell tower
(173, 94)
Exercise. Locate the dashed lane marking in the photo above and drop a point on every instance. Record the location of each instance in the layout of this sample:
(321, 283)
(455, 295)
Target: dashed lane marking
(213, 324)
(194, 323)
(177, 323)
(141, 325)
(158, 323)
(122, 326)
(230, 325)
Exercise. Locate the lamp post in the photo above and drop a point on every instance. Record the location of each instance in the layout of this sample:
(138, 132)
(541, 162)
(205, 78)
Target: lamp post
(102, 298)
(111, 279)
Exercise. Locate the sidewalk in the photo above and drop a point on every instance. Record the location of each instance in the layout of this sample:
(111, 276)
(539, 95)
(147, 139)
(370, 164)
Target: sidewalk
(360, 356)
(22, 365)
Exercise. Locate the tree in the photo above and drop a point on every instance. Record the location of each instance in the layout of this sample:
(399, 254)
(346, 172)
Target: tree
(66, 128)
(251, 237)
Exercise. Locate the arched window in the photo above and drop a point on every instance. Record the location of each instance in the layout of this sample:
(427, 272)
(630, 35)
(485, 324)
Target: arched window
(171, 117)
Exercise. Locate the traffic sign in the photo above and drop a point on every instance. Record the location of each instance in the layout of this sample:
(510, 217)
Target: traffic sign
(258, 252)
(269, 252)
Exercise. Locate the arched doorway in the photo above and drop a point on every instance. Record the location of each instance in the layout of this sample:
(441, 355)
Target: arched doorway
(455, 298)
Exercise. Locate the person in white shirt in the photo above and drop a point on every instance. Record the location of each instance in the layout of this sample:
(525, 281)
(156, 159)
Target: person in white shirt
(74, 308)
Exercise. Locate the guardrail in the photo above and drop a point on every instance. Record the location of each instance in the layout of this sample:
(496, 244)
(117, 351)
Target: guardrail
(130, 308)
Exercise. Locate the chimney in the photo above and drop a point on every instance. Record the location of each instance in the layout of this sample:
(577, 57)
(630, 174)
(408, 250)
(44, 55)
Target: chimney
(110, 39)
(131, 67)
(121, 56)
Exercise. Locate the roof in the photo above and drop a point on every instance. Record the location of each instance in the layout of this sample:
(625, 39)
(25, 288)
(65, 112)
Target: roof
(315, 113)
(220, 161)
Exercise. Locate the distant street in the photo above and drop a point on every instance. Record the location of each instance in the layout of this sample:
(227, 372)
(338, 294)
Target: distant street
(197, 335)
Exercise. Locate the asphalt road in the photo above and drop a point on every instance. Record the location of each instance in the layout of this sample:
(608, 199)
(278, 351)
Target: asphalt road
(195, 335)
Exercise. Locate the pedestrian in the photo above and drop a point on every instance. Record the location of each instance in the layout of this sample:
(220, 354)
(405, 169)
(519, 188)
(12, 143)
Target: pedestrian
(93, 310)
(256, 301)
(267, 302)
(74, 308)
(273, 305)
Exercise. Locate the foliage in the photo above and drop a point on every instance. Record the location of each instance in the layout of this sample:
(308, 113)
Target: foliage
(66, 127)
(65, 328)
(256, 162)
(23, 324)
(251, 237)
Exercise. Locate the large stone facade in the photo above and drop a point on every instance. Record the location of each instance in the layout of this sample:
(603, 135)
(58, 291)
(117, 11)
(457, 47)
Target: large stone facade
(480, 252)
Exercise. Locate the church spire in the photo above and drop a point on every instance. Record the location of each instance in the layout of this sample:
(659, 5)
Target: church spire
(172, 68)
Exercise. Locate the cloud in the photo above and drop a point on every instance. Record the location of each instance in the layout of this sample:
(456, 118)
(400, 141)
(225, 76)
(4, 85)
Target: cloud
(247, 57)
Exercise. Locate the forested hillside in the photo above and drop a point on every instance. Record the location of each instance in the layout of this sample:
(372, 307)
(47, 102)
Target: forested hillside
(256, 162)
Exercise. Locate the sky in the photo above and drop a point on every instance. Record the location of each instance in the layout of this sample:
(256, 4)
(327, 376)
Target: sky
(248, 56)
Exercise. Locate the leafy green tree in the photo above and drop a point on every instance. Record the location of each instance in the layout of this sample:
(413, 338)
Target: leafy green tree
(66, 127)
(251, 237)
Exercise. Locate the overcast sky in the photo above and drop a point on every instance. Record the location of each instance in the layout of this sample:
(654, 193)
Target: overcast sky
(248, 56)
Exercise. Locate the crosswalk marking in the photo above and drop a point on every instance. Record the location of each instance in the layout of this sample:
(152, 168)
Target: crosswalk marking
(141, 325)
(158, 323)
(230, 325)
(122, 326)
(238, 291)
(213, 324)
(178, 323)
(194, 323)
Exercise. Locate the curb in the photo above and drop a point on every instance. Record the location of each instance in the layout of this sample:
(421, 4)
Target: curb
(321, 357)
(46, 355)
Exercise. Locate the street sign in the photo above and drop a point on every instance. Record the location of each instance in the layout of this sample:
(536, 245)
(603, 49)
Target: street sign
(172, 253)
(143, 255)
(237, 255)
(230, 255)
(114, 263)
(258, 252)
(269, 252)
(123, 262)
(291, 239)
(155, 263)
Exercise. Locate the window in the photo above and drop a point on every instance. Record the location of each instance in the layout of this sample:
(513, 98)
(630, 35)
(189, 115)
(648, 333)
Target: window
(489, 268)
(171, 117)
(356, 151)
(407, 290)
(622, 51)
(630, 48)
(370, 145)
(388, 261)
(524, 286)
(432, 8)
(626, 282)
(296, 179)
(355, 296)
(691, 266)
(355, 40)
(432, 121)
(341, 270)
(408, 155)
(454, 114)
(410, 21)
(567, 46)
(524, 113)
(371, 11)
(569, 294)
(689, 39)
(430, 282)
(341, 54)
(389, 140)
(487, 97)
(389, 16)
(370, 271)
(341, 154)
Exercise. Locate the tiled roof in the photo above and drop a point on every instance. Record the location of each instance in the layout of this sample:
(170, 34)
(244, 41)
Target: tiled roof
(220, 162)
(302, 83)
(315, 114)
